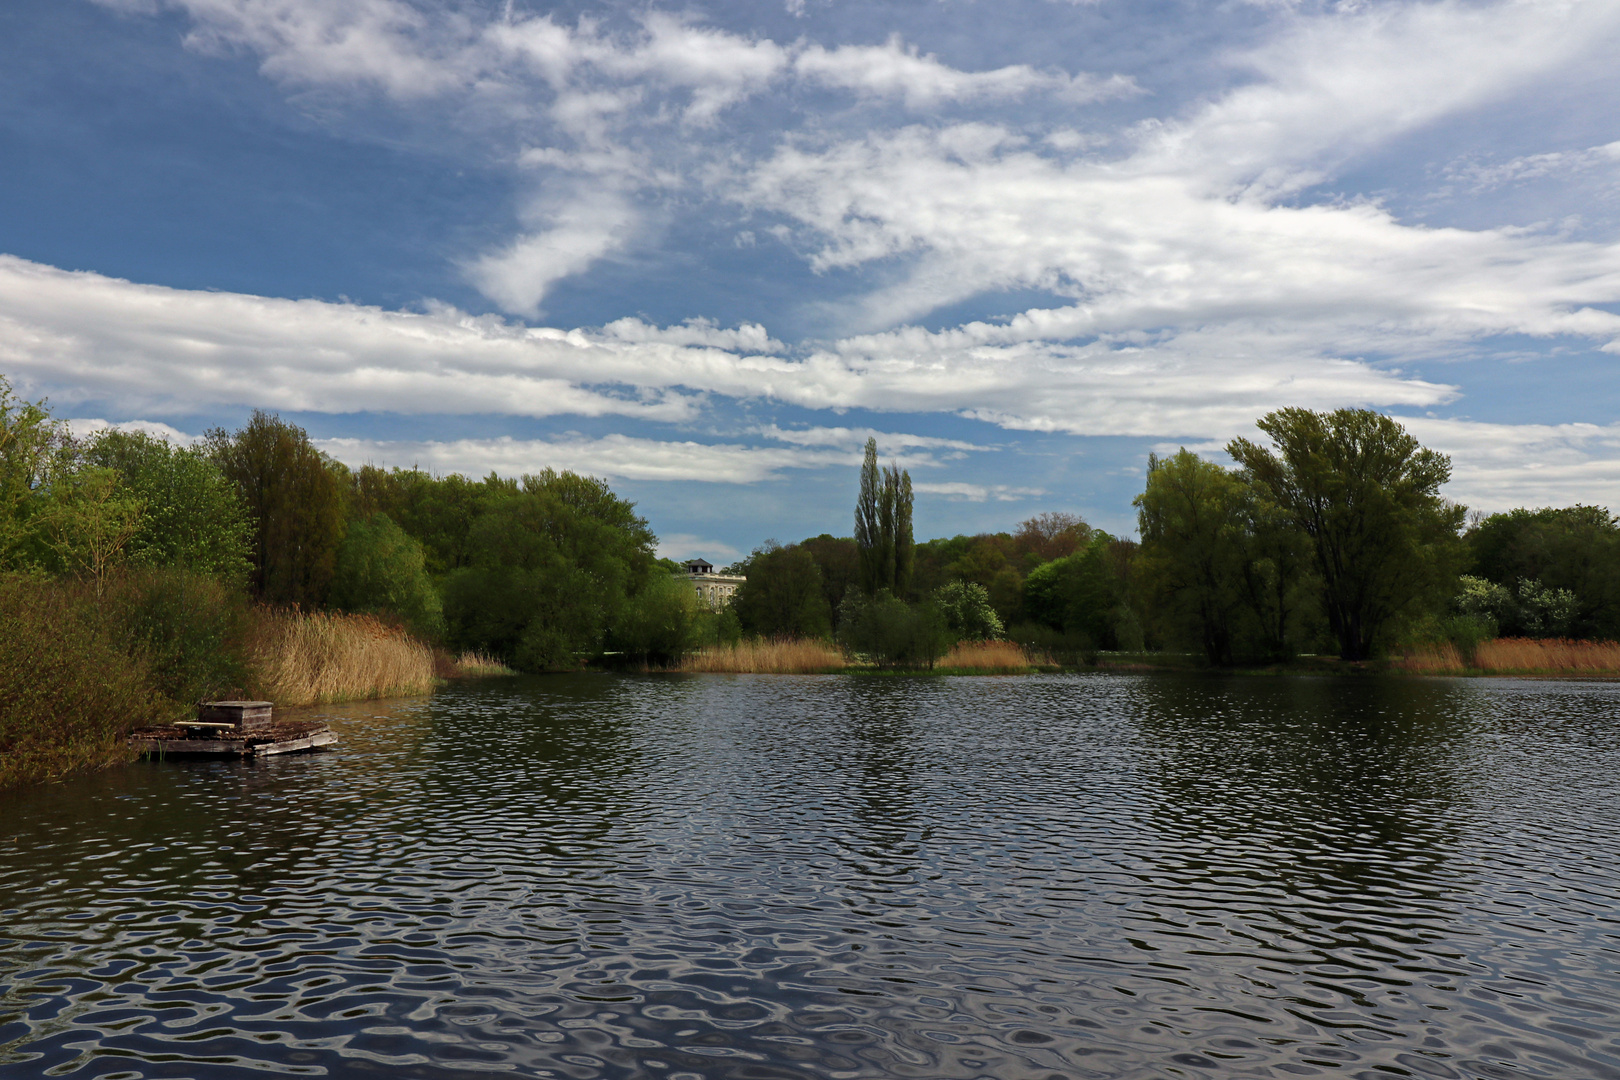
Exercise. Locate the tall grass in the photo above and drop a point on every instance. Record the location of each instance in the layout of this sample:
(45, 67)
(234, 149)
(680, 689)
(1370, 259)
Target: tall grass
(1530, 656)
(797, 656)
(301, 658)
(992, 656)
(468, 665)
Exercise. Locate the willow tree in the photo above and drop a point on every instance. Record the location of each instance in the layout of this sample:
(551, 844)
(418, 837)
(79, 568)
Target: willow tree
(883, 526)
(1368, 497)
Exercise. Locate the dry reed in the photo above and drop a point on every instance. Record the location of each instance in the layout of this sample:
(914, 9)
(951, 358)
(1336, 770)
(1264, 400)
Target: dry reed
(797, 656)
(309, 659)
(991, 656)
(1502, 656)
(473, 664)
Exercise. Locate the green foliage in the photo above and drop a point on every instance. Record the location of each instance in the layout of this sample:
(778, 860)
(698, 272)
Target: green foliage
(382, 571)
(550, 569)
(1086, 595)
(883, 533)
(1574, 549)
(1368, 497)
(660, 623)
(1219, 567)
(88, 522)
(69, 689)
(32, 449)
(295, 501)
(968, 612)
(839, 560)
(892, 632)
(191, 515)
(189, 629)
(783, 596)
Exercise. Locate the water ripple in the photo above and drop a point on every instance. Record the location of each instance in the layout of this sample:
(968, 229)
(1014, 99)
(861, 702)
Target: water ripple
(785, 878)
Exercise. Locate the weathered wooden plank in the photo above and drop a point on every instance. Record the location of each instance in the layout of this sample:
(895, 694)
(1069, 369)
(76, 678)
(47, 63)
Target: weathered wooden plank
(153, 747)
(288, 746)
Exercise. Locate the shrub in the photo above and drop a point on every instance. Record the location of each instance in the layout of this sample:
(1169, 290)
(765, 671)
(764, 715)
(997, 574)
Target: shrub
(892, 632)
(69, 692)
(189, 628)
(659, 622)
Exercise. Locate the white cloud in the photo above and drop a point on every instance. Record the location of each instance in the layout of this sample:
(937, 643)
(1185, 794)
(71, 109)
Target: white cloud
(83, 428)
(1480, 176)
(621, 457)
(922, 82)
(1501, 466)
(888, 441)
(683, 546)
(978, 492)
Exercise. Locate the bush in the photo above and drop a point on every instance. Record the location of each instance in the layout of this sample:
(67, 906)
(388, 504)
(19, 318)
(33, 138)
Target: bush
(69, 692)
(659, 623)
(892, 632)
(382, 571)
(189, 628)
(968, 612)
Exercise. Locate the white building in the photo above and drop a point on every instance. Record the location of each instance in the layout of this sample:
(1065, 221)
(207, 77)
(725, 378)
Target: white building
(715, 590)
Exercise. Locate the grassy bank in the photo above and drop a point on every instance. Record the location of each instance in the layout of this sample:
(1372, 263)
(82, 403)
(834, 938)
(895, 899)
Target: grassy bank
(1516, 656)
(809, 656)
(80, 668)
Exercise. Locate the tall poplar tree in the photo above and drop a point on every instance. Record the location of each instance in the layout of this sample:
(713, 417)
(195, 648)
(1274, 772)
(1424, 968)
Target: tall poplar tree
(883, 532)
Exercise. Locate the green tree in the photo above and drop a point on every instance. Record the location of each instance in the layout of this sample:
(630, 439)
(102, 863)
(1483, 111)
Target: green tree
(1219, 566)
(883, 530)
(31, 451)
(892, 632)
(296, 502)
(381, 570)
(193, 516)
(550, 569)
(1085, 595)
(783, 596)
(968, 613)
(90, 522)
(1368, 497)
(660, 623)
(1575, 549)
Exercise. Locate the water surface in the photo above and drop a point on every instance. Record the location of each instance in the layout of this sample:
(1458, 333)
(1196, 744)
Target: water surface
(778, 877)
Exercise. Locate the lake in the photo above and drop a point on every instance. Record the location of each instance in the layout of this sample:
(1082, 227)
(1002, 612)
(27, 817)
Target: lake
(776, 878)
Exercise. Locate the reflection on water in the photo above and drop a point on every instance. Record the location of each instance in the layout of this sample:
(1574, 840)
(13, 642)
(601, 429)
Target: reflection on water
(1083, 876)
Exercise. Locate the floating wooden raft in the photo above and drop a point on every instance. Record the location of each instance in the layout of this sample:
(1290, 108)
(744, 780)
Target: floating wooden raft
(233, 729)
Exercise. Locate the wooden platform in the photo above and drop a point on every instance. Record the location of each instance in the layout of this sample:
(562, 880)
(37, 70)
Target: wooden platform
(182, 740)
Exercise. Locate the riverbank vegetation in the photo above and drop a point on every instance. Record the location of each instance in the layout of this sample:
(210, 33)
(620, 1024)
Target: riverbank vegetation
(138, 577)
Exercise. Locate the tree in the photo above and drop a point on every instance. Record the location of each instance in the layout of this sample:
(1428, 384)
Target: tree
(193, 516)
(1218, 564)
(1083, 595)
(90, 523)
(968, 612)
(892, 632)
(295, 500)
(783, 596)
(883, 531)
(1573, 549)
(1368, 497)
(1050, 535)
(381, 570)
(31, 451)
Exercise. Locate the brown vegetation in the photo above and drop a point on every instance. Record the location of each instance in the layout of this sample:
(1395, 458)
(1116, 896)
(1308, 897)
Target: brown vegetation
(1530, 656)
(69, 691)
(789, 656)
(468, 665)
(990, 657)
(303, 658)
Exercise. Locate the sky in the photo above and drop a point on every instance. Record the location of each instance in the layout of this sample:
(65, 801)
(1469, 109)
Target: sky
(707, 250)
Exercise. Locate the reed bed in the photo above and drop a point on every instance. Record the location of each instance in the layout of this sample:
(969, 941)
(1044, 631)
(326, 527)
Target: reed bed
(1529, 656)
(476, 663)
(797, 656)
(315, 658)
(992, 656)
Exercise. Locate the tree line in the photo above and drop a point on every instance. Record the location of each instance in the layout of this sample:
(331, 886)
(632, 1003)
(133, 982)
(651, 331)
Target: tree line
(1330, 536)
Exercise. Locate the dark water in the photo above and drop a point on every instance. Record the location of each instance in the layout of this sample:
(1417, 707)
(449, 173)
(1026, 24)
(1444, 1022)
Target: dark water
(829, 877)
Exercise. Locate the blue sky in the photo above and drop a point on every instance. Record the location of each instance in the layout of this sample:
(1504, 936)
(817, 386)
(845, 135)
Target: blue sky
(706, 250)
